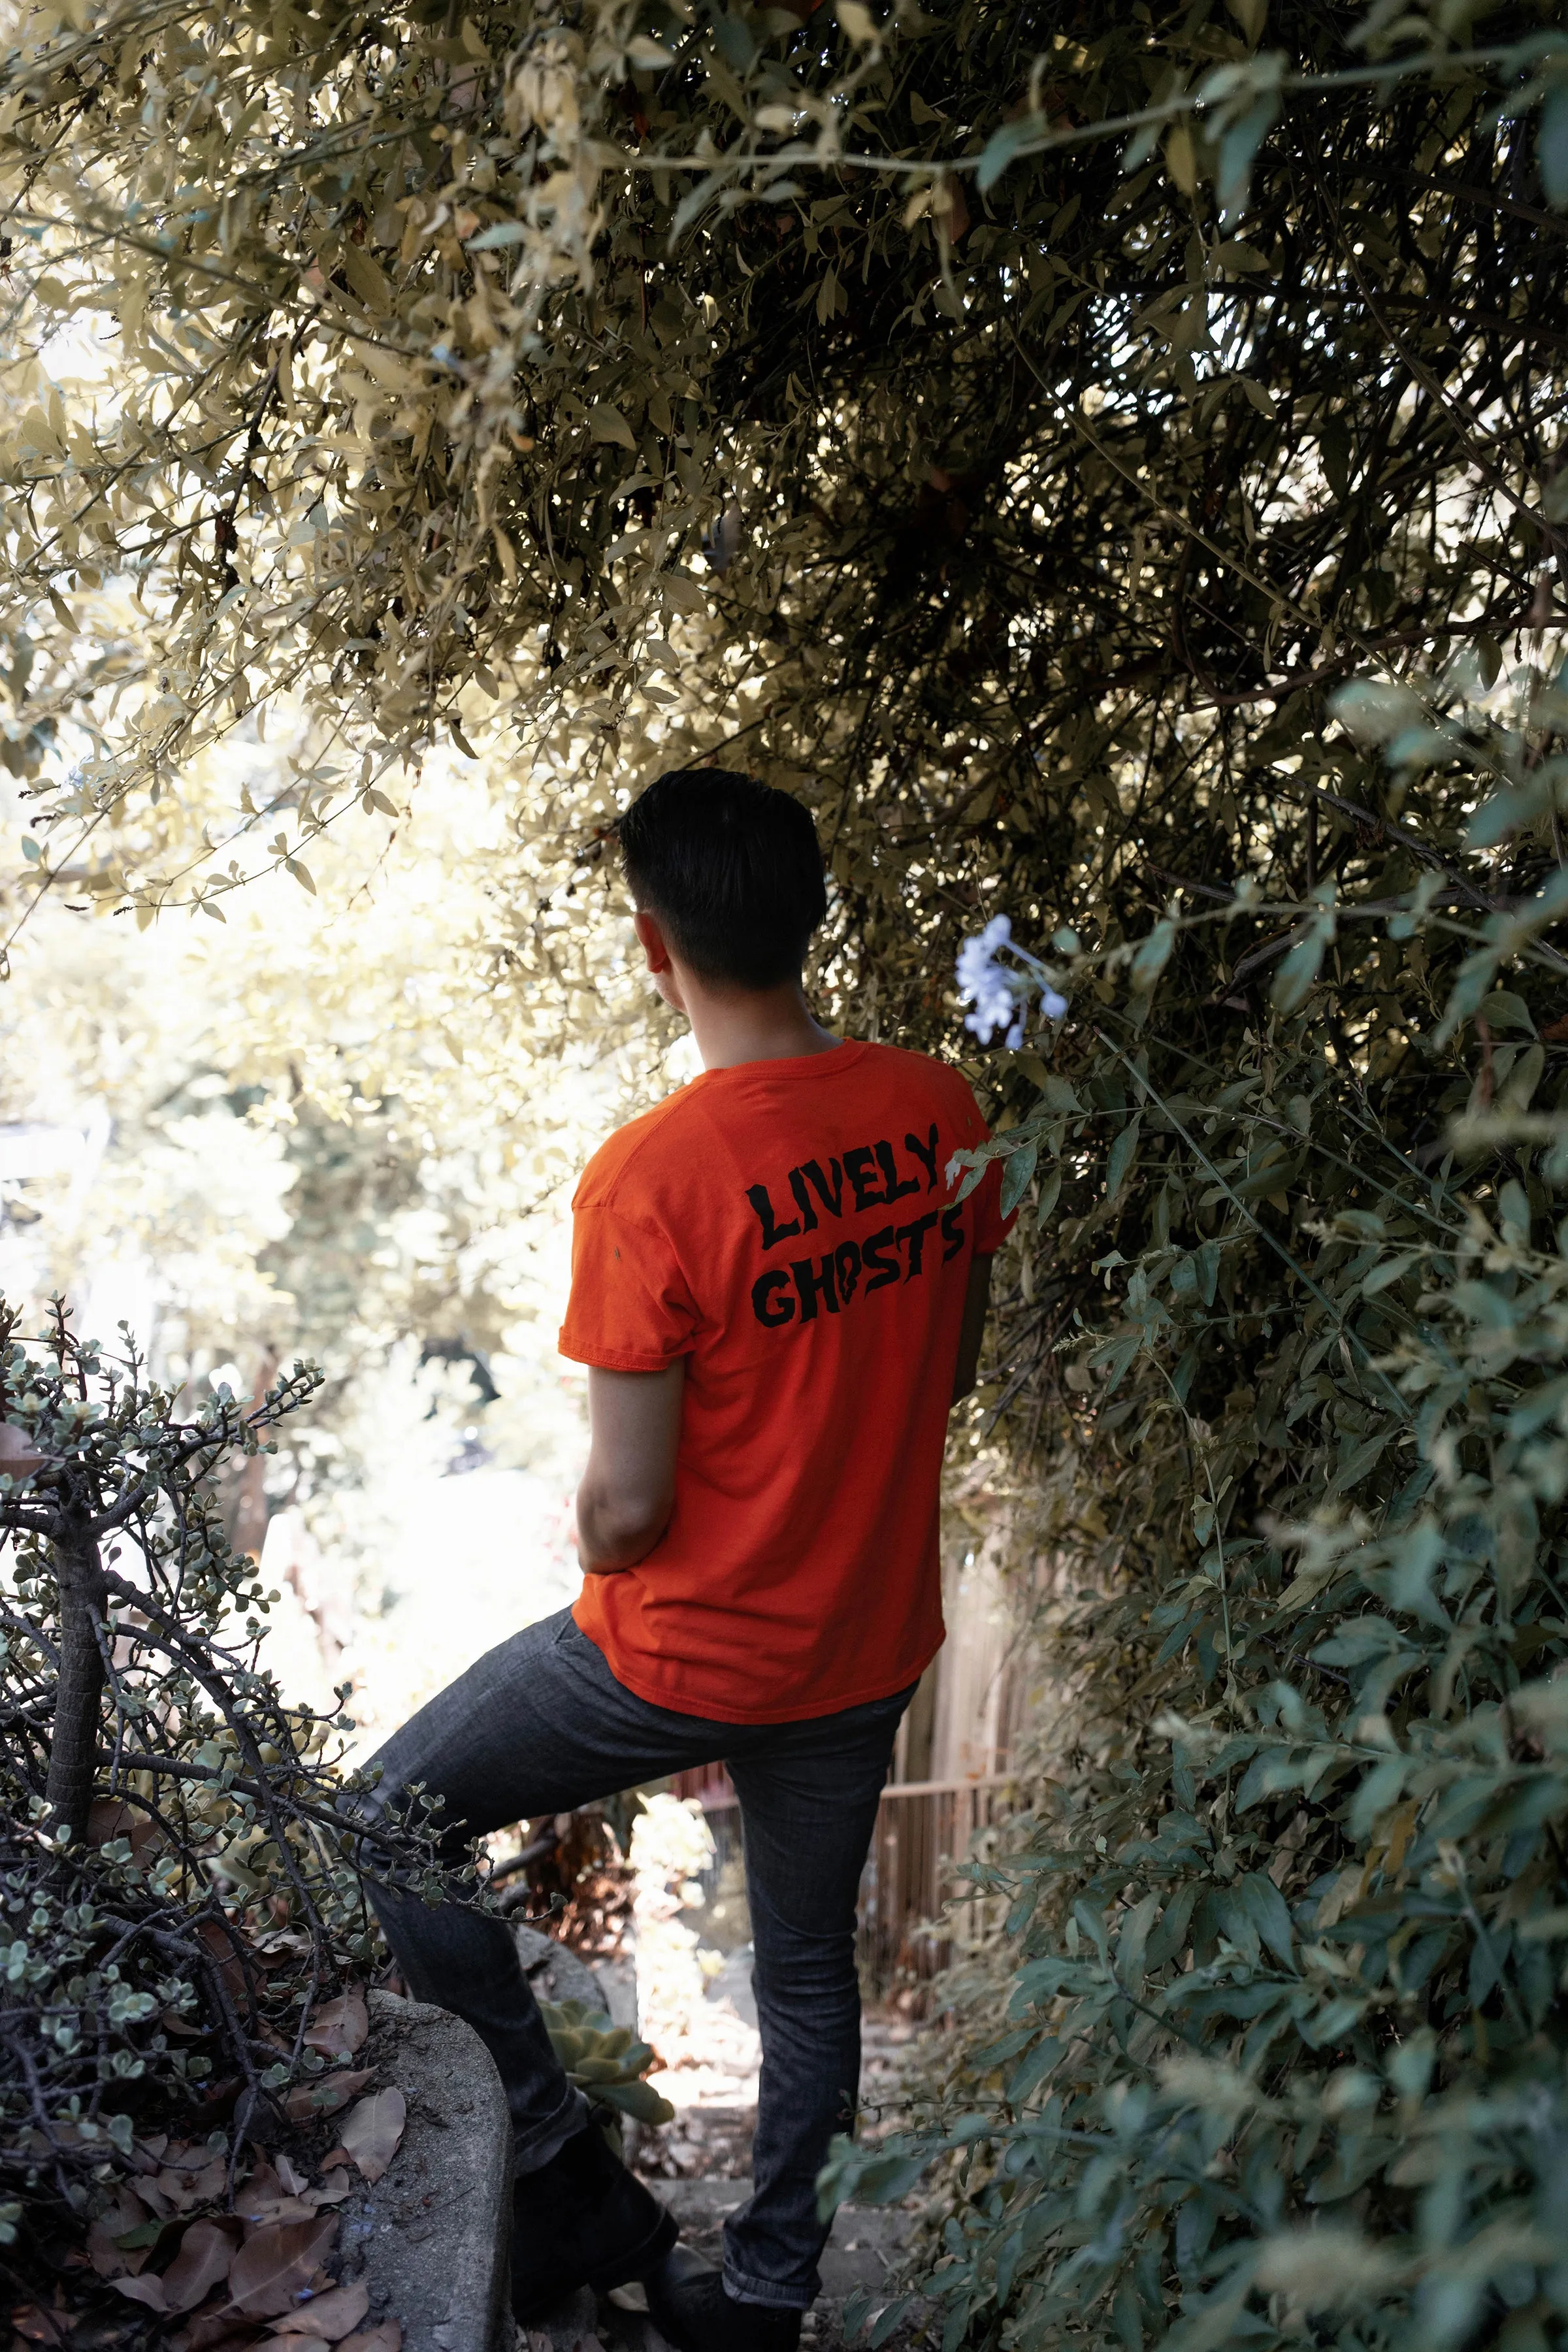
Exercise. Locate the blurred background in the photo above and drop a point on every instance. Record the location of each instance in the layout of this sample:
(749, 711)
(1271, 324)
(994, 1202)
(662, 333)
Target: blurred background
(303, 1131)
(345, 1124)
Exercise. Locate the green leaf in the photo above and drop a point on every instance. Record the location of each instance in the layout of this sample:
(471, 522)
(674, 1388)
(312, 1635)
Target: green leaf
(638, 2099)
(1299, 969)
(1153, 955)
(1551, 145)
(606, 423)
(884, 2179)
(1017, 1168)
(1004, 144)
(1238, 150)
(1121, 1156)
(1361, 1459)
(1265, 1906)
(883, 2326)
(1133, 1939)
(1031, 2070)
(973, 1164)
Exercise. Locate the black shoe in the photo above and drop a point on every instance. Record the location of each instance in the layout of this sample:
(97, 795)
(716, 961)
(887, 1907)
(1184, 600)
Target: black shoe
(583, 2221)
(691, 2308)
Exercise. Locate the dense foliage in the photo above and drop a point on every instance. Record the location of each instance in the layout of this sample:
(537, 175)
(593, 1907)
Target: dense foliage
(1153, 537)
(1283, 2050)
(392, 370)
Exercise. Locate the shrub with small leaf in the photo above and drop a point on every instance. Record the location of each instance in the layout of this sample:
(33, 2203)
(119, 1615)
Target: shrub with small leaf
(178, 1889)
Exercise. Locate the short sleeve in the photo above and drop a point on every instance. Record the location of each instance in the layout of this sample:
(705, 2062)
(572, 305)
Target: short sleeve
(991, 1227)
(630, 1309)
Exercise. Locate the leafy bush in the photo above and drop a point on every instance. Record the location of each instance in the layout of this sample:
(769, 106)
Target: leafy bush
(178, 1891)
(1283, 2053)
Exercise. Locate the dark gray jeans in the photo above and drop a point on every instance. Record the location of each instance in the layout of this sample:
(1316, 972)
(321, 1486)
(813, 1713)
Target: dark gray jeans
(541, 1724)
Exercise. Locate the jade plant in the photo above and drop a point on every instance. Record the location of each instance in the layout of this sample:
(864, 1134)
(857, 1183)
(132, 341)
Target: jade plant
(178, 1888)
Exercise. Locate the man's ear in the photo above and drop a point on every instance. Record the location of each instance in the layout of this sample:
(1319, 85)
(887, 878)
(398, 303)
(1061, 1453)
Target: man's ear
(653, 942)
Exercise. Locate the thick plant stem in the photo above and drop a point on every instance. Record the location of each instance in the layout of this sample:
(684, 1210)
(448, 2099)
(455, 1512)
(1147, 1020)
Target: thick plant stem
(78, 1696)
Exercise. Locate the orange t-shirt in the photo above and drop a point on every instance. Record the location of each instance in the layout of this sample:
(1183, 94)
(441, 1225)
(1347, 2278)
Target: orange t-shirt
(787, 1227)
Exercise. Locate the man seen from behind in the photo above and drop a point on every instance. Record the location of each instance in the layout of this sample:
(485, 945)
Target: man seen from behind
(778, 1298)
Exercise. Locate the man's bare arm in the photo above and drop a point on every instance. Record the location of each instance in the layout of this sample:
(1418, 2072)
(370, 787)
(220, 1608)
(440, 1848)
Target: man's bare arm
(977, 1299)
(628, 1488)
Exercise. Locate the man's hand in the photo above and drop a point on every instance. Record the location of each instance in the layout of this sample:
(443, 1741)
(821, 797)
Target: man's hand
(976, 1300)
(628, 1488)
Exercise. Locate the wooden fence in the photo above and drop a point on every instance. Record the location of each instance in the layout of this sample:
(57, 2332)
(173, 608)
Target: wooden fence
(923, 1828)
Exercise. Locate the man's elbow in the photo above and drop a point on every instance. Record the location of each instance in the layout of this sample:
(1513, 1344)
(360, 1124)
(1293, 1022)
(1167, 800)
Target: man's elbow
(616, 1530)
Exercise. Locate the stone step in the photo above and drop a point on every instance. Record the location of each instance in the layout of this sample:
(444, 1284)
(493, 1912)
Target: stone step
(867, 2239)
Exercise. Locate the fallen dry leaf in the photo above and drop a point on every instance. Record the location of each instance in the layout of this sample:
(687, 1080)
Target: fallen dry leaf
(293, 2343)
(339, 2028)
(206, 2252)
(294, 2182)
(332, 2192)
(218, 2328)
(224, 1947)
(386, 2335)
(109, 2258)
(39, 2327)
(372, 2133)
(264, 2187)
(153, 2197)
(148, 2290)
(282, 2208)
(184, 2186)
(109, 1818)
(271, 2267)
(331, 2315)
(325, 2095)
(279, 1945)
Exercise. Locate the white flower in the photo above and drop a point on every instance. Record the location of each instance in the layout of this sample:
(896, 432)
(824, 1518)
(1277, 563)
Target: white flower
(1000, 995)
(989, 986)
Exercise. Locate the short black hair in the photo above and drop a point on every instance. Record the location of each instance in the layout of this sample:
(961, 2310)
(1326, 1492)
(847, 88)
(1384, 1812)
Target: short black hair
(733, 870)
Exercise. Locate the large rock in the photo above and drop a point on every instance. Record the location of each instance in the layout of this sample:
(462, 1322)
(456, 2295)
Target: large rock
(555, 1973)
(433, 2235)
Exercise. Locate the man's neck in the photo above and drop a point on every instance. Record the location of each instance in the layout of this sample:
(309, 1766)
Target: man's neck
(735, 1025)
